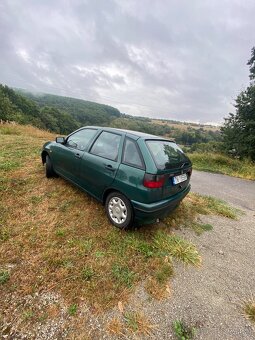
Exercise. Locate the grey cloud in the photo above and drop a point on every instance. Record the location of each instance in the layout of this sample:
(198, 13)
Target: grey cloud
(172, 59)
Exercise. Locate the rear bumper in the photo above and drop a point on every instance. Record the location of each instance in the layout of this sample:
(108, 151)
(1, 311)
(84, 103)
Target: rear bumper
(149, 213)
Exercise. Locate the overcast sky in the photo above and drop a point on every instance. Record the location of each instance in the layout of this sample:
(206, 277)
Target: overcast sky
(183, 60)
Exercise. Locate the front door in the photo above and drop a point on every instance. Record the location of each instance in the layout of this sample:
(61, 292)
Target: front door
(99, 166)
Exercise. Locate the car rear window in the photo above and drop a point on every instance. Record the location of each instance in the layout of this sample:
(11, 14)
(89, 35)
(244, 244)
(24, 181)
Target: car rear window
(167, 155)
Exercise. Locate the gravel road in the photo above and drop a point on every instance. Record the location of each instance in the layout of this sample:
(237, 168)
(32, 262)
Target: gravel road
(233, 190)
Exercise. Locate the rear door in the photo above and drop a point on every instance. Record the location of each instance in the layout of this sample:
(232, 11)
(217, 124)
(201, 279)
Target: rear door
(99, 166)
(172, 163)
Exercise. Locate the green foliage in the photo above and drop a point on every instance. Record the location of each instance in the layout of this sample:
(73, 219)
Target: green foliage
(192, 136)
(164, 272)
(4, 276)
(251, 64)
(212, 146)
(182, 331)
(72, 310)
(87, 273)
(239, 128)
(123, 275)
(82, 111)
(219, 163)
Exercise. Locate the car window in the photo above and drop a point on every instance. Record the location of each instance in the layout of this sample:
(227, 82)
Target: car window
(107, 145)
(81, 138)
(166, 154)
(131, 154)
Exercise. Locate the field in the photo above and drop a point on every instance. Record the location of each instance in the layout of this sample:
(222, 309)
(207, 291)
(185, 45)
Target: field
(185, 125)
(59, 256)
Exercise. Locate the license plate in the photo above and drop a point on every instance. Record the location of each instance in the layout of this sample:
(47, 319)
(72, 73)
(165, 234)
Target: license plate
(179, 179)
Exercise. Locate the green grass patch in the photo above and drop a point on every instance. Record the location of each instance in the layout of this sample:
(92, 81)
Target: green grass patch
(177, 247)
(87, 273)
(199, 228)
(4, 276)
(72, 310)
(183, 331)
(222, 164)
(123, 275)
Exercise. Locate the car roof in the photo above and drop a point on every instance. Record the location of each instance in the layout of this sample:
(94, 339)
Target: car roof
(131, 133)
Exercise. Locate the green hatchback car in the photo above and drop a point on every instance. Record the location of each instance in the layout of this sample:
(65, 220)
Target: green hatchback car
(138, 177)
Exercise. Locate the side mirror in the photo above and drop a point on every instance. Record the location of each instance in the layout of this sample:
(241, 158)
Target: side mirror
(60, 140)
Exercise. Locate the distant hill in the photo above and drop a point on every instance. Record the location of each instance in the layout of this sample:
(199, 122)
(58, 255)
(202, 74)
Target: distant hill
(83, 111)
(63, 115)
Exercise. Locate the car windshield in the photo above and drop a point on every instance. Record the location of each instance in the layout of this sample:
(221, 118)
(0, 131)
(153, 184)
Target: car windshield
(167, 155)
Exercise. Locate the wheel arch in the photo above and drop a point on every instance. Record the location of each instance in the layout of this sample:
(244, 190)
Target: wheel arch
(109, 190)
(43, 155)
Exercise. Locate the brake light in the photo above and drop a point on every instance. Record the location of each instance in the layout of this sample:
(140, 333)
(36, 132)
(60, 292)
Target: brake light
(153, 181)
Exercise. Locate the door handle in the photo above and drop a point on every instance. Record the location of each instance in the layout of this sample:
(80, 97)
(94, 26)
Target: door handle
(109, 167)
(77, 155)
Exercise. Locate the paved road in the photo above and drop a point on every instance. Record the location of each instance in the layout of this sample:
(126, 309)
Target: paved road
(239, 192)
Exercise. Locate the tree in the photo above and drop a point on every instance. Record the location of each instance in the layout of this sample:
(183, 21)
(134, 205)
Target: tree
(239, 128)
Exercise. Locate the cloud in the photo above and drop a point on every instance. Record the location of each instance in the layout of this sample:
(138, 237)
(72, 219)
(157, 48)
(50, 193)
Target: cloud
(178, 60)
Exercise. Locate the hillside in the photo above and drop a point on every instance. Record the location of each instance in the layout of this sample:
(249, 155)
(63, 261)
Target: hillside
(84, 112)
(63, 115)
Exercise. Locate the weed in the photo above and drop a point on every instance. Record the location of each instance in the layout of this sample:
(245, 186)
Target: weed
(60, 232)
(182, 331)
(99, 254)
(28, 314)
(177, 247)
(4, 234)
(199, 228)
(87, 273)
(145, 249)
(4, 276)
(123, 275)
(137, 323)
(36, 199)
(249, 309)
(163, 273)
(72, 310)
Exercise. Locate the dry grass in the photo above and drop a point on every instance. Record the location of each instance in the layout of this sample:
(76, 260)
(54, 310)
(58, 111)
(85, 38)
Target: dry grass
(136, 322)
(249, 310)
(115, 327)
(55, 238)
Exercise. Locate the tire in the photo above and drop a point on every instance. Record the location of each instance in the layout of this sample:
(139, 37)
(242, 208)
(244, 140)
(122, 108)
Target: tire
(49, 168)
(119, 210)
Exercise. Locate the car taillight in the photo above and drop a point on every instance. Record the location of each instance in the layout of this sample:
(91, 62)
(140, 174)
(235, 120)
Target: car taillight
(153, 181)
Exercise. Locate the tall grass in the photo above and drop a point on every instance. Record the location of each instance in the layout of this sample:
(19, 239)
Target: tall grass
(219, 163)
